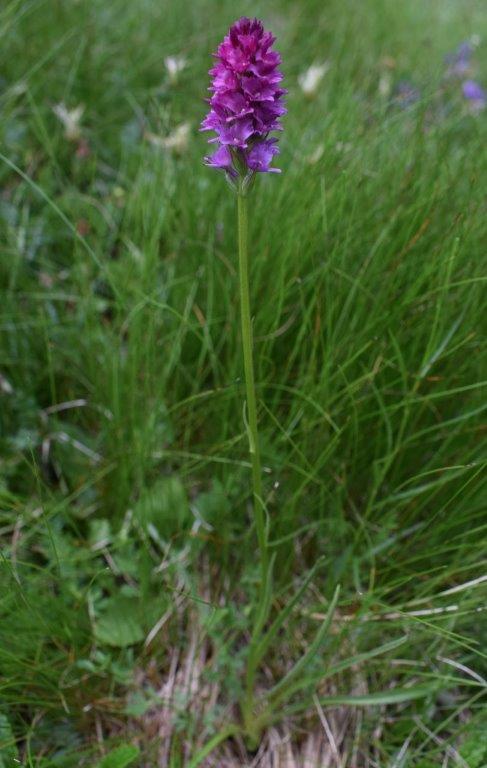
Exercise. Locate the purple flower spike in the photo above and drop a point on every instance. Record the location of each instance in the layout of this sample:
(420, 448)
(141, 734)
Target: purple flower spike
(475, 95)
(246, 102)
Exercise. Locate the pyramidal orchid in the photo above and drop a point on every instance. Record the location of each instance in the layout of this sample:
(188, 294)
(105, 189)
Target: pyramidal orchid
(246, 103)
(245, 108)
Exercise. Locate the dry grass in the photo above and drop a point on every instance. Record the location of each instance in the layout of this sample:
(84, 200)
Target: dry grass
(186, 687)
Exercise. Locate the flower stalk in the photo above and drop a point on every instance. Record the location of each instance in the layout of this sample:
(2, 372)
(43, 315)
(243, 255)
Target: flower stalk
(251, 400)
(254, 450)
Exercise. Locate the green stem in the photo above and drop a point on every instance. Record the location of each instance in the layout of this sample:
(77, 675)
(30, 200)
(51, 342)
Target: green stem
(247, 344)
(252, 431)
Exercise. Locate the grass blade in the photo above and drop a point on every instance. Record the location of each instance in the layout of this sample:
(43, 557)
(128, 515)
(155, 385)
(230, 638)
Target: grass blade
(265, 643)
(393, 696)
(278, 692)
(345, 664)
(210, 745)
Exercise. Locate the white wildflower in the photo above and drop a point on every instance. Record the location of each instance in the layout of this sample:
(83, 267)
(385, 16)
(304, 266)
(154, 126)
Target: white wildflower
(316, 155)
(177, 141)
(70, 118)
(5, 386)
(174, 65)
(310, 80)
(385, 84)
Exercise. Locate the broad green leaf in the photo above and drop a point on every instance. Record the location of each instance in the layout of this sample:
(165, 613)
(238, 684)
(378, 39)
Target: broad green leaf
(212, 507)
(120, 625)
(8, 748)
(100, 533)
(164, 505)
(474, 746)
(120, 757)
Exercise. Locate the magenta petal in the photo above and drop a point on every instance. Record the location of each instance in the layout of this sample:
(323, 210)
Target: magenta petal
(237, 133)
(260, 156)
(211, 122)
(233, 101)
(257, 88)
(222, 158)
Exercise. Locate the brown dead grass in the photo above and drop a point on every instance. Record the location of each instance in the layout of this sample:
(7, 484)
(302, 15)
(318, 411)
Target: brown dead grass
(318, 740)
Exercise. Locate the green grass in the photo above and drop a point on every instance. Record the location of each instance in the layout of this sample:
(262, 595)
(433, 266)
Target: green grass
(124, 472)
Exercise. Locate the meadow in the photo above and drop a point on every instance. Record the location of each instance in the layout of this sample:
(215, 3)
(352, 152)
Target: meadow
(130, 581)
